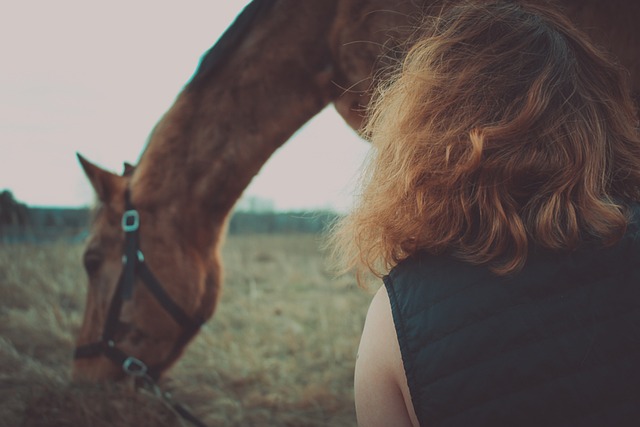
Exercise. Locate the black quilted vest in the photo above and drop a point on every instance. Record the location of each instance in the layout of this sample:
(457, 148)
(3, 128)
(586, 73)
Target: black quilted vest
(558, 344)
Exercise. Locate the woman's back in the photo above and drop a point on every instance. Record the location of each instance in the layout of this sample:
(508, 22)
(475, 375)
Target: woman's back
(558, 343)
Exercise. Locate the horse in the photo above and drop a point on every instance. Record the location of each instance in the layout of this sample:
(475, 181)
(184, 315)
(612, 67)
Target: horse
(153, 254)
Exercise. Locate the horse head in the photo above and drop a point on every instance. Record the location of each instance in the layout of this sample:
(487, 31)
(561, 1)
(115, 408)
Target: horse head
(149, 289)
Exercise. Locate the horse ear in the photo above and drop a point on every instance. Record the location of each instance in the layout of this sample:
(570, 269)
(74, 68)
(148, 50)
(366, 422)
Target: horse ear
(104, 182)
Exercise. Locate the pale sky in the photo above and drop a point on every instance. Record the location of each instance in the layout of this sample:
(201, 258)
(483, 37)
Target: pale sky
(95, 77)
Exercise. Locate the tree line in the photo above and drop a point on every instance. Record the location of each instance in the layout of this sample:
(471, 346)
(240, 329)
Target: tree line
(19, 222)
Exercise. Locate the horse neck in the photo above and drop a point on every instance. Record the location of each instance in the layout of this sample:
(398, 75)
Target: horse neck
(228, 121)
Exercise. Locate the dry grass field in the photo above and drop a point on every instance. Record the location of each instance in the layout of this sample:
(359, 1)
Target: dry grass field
(279, 351)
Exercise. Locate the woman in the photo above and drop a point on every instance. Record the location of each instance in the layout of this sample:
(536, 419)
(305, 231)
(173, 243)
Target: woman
(501, 194)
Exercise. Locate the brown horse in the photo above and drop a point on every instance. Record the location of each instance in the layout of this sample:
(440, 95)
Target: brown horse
(276, 67)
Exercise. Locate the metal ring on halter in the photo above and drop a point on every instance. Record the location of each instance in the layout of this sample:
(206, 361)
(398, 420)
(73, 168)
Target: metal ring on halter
(134, 367)
(130, 220)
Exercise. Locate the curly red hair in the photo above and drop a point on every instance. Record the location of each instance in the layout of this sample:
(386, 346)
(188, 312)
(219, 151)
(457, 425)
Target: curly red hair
(503, 127)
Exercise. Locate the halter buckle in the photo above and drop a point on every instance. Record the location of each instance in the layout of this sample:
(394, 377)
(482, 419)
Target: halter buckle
(134, 367)
(130, 220)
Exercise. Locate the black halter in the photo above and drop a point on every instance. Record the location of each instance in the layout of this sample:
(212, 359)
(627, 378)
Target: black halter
(134, 265)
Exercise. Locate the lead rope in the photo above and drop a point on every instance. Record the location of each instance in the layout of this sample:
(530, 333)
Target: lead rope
(149, 385)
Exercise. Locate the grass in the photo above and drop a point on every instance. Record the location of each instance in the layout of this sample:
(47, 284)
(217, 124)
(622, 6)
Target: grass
(279, 351)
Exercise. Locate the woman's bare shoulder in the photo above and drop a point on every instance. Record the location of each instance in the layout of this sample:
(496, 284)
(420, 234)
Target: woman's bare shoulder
(382, 394)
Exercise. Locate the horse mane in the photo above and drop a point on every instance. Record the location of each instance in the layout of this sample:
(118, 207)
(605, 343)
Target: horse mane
(229, 40)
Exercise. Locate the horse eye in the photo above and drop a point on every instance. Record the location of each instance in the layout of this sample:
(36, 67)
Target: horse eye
(92, 261)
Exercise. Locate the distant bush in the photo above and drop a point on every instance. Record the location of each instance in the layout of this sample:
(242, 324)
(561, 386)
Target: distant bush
(14, 216)
(12, 212)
